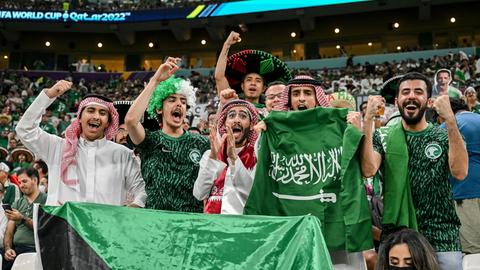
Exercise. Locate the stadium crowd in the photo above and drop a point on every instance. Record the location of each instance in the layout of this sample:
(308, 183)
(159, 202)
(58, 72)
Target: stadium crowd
(61, 124)
(100, 5)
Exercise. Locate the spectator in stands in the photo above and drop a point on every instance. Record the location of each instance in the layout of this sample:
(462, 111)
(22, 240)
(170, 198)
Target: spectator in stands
(244, 73)
(9, 184)
(471, 99)
(416, 167)
(85, 166)
(273, 96)
(302, 93)
(46, 125)
(194, 130)
(466, 193)
(442, 86)
(5, 128)
(122, 132)
(227, 169)
(406, 249)
(186, 123)
(3, 154)
(42, 169)
(3, 218)
(18, 236)
(170, 156)
(363, 108)
(22, 158)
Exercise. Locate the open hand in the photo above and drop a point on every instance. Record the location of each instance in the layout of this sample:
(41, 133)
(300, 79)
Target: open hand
(214, 143)
(231, 145)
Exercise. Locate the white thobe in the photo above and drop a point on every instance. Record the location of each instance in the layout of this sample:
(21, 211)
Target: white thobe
(238, 182)
(106, 170)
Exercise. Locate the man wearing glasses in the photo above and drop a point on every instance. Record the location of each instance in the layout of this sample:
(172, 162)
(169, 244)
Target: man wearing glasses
(273, 96)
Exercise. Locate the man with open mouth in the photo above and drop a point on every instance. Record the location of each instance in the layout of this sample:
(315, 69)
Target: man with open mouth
(170, 156)
(443, 78)
(416, 159)
(227, 169)
(85, 166)
(304, 92)
(248, 72)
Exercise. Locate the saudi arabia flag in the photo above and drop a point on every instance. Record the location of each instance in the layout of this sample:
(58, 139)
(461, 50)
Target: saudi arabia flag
(308, 164)
(93, 236)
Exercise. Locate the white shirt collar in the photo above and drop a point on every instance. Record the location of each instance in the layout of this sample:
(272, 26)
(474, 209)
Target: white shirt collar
(97, 143)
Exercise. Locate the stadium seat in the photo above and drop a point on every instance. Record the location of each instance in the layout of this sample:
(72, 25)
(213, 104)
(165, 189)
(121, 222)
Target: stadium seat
(471, 262)
(25, 261)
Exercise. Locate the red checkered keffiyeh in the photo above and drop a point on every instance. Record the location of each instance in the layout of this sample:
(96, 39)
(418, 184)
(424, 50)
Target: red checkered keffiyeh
(213, 204)
(253, 120)
(303, 80)
(73, 131)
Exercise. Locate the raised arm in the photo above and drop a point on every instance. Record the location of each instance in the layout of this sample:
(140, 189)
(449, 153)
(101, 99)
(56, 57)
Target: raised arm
(28, 128)
(370, 160)
(457, 152)
(136, 111)
(220, 79)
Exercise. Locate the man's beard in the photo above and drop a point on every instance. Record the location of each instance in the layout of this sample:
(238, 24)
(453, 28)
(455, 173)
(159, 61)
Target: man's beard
(242, 140)
(412, 120)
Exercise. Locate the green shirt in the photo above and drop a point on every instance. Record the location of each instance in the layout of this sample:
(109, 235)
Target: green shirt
(4, 130)
(170, 167)
(62, 126)
(71, 98)
(476, 109)
(24, 235)
(258, 105)
(428, 172)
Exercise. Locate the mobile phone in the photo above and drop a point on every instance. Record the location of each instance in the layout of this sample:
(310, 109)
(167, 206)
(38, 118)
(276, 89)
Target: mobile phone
(7, 207)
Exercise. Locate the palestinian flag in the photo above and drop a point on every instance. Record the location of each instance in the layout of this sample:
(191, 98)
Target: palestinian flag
(308, 164)
(93, 236)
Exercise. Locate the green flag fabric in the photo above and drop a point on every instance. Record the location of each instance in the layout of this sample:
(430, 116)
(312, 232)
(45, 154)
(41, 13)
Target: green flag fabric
(93, 236)
(398, 210)
(307, 164)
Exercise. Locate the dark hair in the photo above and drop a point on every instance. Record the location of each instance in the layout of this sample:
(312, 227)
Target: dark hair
(458, 104)
(421, 252)
(444, 70)
(195, 128)
(210, 113)
(416, 76)
(275, 83)
(30, 172)
(42, 166)
(361, 104)
(248, 73)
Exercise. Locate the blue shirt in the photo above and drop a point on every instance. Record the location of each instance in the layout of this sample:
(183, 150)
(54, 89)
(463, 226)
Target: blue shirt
(469, 126)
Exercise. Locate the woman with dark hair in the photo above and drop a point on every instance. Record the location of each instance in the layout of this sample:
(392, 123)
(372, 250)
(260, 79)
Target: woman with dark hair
(406, 250)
